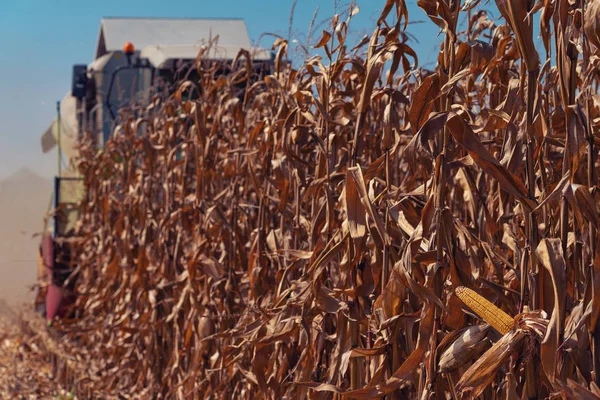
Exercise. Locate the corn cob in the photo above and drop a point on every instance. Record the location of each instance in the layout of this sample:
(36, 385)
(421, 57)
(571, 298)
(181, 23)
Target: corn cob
(469, 344)
(498, 319)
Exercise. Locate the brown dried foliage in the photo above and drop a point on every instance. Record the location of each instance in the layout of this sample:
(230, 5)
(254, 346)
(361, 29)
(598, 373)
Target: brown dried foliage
(304, 239)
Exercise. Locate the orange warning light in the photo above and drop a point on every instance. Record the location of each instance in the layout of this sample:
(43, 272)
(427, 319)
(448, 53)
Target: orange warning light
(128, 48)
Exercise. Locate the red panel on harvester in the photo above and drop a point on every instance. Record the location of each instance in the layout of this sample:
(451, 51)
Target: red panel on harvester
(53, 301)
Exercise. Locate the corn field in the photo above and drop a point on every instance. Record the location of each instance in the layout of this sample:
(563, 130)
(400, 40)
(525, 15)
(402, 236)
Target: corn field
(357, 226)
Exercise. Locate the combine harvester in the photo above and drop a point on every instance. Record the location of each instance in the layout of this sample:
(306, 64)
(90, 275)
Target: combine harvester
(135, 59)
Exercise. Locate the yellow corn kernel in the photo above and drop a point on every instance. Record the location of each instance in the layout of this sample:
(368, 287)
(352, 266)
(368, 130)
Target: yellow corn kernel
(498, 319)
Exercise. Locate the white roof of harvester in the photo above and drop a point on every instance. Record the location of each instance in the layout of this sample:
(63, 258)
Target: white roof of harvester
(160, 55)
(143, 32)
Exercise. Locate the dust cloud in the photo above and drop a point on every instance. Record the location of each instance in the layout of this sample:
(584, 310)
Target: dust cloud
(24, 200)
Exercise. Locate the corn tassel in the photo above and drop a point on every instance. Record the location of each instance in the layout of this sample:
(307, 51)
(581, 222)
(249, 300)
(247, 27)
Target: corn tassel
(498, 319)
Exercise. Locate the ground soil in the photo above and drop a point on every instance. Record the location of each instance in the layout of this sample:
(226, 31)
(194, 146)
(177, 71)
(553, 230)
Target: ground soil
(27, 370)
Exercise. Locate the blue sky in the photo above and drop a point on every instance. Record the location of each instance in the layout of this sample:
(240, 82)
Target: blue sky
(40, 40)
